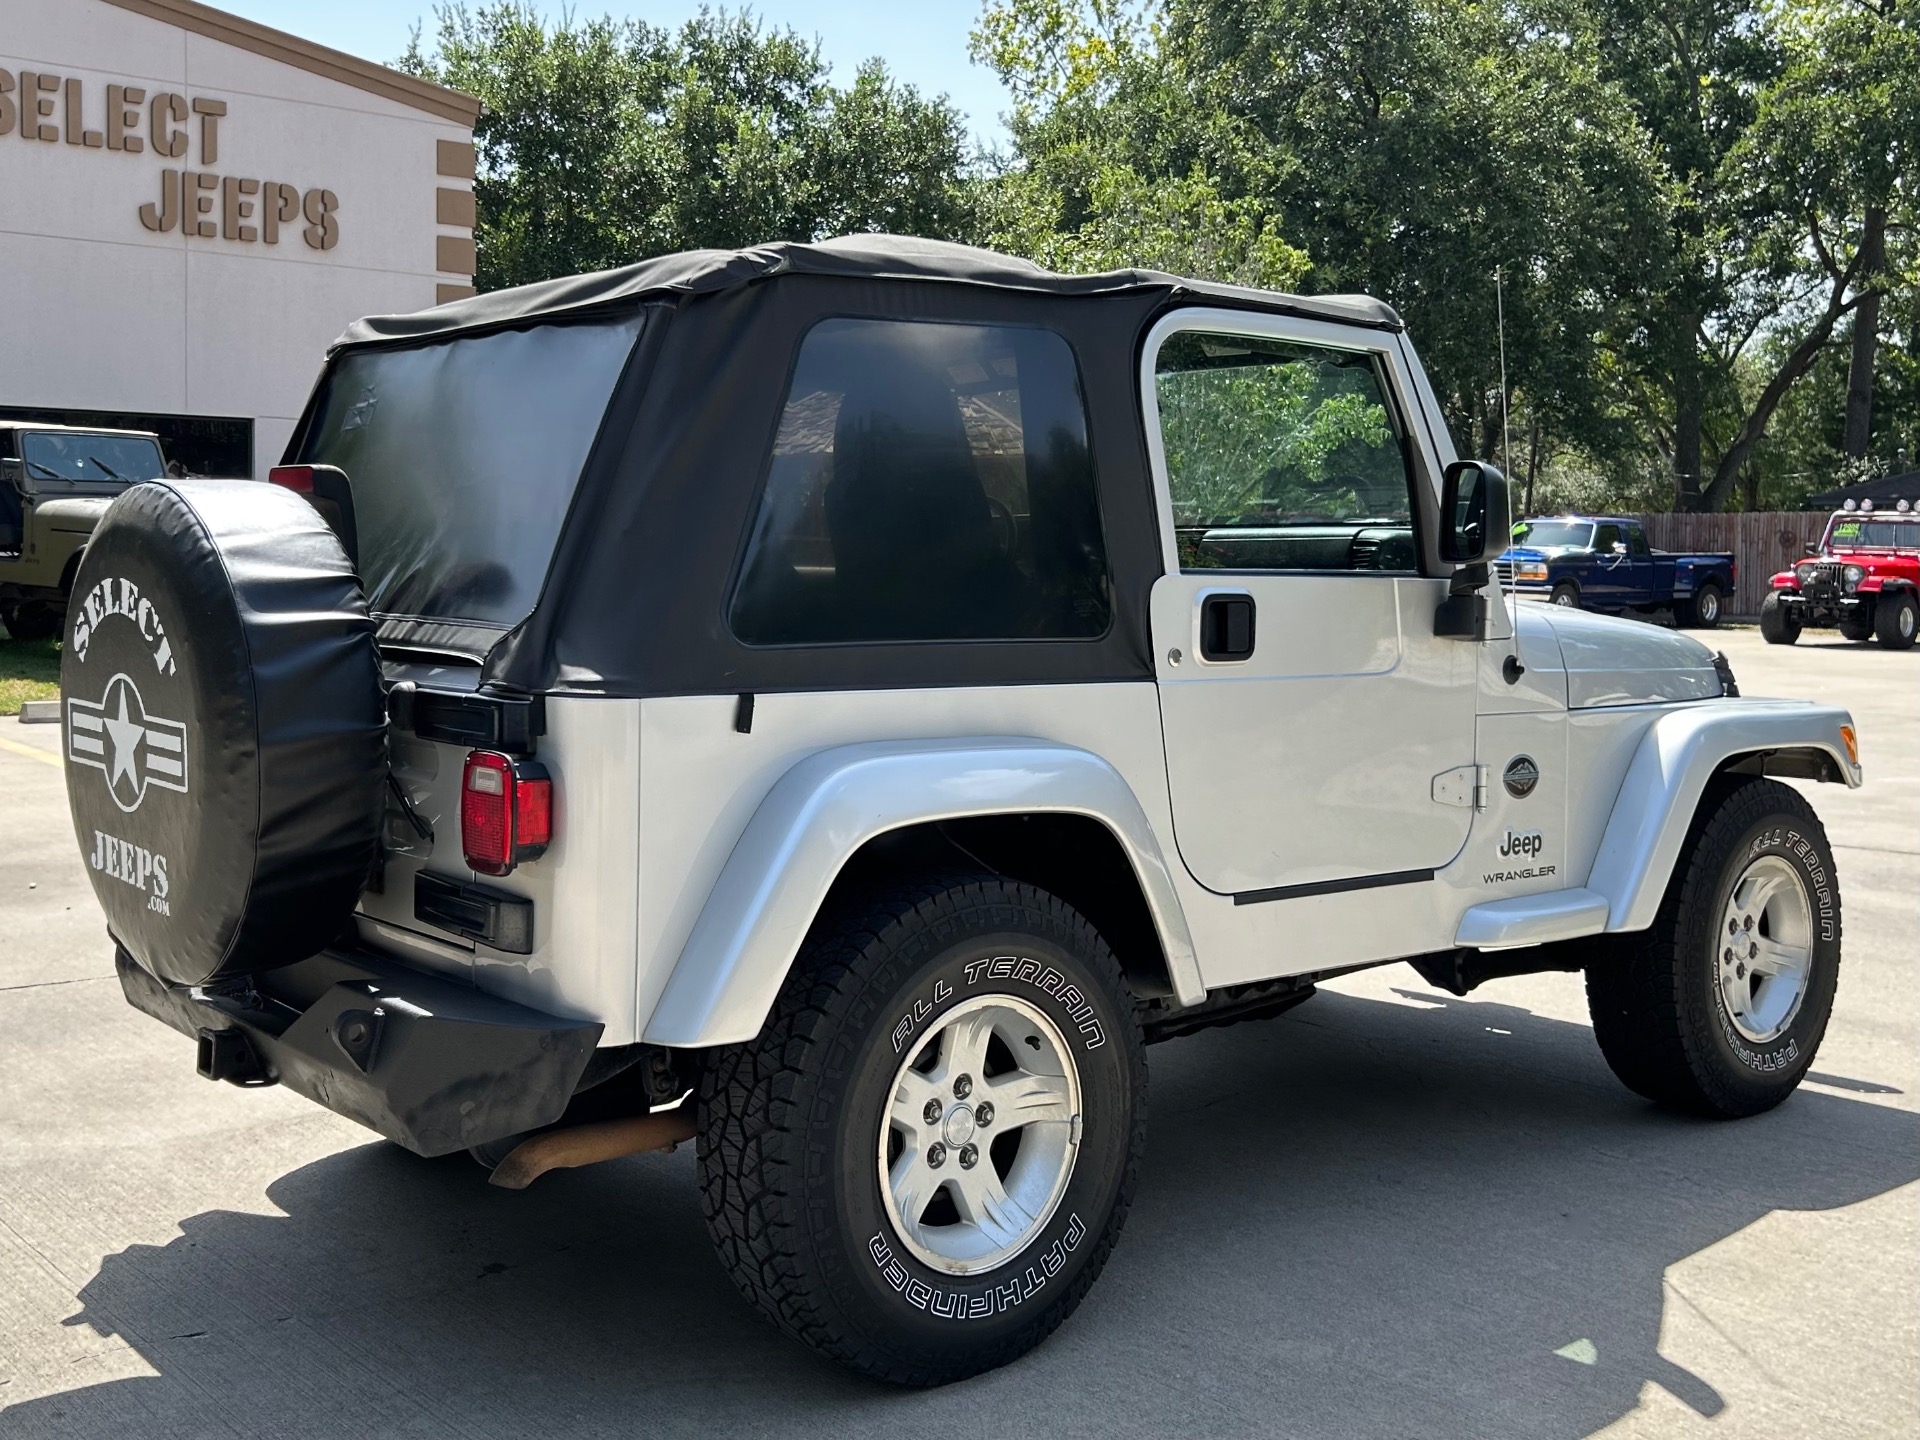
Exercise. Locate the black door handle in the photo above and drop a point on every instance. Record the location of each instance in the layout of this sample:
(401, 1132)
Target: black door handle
(1226, 627)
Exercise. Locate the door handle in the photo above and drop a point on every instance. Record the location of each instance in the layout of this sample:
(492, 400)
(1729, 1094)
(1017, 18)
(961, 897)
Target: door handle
(1226, 627)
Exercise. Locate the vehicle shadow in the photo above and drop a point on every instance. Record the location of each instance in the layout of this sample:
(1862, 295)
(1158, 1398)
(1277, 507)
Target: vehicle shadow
(1361, 1219)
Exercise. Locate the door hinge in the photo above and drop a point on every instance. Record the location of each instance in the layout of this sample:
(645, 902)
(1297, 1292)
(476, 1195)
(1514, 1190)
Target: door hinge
(1465, 786)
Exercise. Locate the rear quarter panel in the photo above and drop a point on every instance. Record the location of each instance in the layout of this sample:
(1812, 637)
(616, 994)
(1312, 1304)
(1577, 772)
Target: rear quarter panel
(702, 779)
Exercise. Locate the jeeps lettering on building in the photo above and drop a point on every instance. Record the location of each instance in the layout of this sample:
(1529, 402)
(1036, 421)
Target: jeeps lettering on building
(198, 203)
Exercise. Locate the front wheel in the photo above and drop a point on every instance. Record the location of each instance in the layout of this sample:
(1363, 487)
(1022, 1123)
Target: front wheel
(921, 1163)
(1895, 620)
(34, 619)
(1720, 1006)
(1565, 593)
(1779, 625)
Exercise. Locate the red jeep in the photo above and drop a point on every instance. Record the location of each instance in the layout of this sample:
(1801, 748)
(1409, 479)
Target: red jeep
(1865, 578)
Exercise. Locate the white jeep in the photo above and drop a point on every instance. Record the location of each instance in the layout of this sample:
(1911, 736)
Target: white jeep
(842, 702)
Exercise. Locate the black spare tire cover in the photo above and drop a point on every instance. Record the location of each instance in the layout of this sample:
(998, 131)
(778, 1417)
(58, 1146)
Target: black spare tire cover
(225, 727)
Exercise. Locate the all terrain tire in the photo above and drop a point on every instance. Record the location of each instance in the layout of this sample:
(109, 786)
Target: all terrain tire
(921, 1163)
(1778, 624)
(1895, 619)
(1719, 1007)
(1856, 630)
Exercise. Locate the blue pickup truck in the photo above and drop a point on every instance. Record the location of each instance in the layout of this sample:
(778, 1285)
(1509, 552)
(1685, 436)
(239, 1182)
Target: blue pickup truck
(1603, 562)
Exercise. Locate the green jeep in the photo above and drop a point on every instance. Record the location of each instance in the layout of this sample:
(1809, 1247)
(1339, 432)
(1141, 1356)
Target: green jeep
(55, 481)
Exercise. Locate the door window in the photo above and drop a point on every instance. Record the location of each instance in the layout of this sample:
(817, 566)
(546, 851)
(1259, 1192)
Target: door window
(1282, 456)
(928, 482)
(1605, 537)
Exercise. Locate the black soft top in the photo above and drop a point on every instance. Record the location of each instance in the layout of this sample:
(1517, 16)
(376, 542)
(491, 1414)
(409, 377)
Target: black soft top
(851, 257)
(635, 599)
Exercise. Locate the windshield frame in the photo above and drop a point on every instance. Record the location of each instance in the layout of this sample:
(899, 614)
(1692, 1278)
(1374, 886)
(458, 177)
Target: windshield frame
(1868, 517)
(33, 480)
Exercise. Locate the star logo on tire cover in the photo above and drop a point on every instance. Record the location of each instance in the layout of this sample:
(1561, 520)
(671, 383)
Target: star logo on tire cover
(136, 751)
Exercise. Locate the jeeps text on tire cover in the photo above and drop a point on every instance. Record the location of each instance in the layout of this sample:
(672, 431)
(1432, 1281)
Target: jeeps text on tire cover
(841, 702)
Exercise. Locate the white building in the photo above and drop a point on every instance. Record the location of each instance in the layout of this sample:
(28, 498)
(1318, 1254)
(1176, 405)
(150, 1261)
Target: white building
(192, 206)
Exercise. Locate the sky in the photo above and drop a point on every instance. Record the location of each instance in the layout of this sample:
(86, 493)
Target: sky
(924, 42)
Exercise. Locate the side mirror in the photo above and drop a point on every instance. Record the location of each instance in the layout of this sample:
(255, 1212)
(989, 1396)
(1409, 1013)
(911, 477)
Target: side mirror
(1619, 547)
(1810, 548)
(1476, 516)
(1476, 521)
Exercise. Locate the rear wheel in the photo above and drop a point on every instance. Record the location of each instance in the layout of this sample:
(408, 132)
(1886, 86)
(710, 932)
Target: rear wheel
(1720, 1006)
(920, 1165)
(1857, 627)
(1779, 625)
(1895, 619)
(1566, 593)
(1702, 612)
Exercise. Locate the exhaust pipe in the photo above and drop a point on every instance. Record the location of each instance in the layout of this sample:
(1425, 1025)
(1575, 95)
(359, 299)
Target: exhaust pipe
(590, 1144)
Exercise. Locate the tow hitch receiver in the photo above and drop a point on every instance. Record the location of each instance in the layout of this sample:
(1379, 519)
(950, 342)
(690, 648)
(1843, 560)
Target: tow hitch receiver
(229, 1055)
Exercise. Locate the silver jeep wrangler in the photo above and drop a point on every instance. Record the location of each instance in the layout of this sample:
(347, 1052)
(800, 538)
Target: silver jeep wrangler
(840, 703)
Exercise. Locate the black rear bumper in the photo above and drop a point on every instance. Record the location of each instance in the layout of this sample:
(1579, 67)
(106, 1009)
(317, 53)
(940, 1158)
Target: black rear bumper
(428, 1062)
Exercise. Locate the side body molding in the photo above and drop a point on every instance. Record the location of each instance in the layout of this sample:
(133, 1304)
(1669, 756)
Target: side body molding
(1677, 756)
(829, 805)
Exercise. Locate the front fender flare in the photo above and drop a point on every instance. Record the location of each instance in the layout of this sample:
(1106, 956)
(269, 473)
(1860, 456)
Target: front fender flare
(1679, 754)
(827, 806)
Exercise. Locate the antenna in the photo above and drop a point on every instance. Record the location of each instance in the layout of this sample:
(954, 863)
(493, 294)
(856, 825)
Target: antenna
(1500, 308)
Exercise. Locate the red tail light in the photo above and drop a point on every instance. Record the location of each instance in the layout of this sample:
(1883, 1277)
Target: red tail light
(506, 812)
(293, 477)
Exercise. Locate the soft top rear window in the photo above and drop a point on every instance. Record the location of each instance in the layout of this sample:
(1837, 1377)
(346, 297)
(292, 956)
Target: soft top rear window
(463, 457)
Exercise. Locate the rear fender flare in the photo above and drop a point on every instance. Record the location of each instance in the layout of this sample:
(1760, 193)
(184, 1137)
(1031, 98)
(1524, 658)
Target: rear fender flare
(819, 814)
(1680, 752)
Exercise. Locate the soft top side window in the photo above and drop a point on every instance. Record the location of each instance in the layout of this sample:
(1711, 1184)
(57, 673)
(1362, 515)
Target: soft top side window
(928, 481)
(1282, 455)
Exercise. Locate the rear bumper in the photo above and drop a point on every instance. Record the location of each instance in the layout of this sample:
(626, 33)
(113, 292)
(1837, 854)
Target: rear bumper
(430, 1063)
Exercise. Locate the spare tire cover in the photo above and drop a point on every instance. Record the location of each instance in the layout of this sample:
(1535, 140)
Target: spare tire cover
(225, 727)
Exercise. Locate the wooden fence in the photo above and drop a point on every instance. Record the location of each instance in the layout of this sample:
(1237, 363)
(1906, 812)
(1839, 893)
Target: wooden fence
(1764, 542)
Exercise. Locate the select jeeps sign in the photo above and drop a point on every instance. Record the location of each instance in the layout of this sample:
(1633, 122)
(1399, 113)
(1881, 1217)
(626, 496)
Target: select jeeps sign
(131, 120)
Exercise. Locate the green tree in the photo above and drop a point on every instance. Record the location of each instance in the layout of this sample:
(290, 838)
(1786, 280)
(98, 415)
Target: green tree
(605, 141)
(1789, 128)
(1406, 150)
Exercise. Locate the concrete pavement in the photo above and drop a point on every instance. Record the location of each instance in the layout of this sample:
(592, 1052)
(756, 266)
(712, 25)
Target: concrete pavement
(1388, 1213)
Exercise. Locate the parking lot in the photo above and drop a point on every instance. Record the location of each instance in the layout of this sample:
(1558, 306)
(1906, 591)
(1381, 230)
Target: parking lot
(1390, 1212)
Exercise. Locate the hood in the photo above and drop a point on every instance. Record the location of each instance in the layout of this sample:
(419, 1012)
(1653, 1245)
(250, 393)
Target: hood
(1541, 552)
(78, 513)
(1617, 662)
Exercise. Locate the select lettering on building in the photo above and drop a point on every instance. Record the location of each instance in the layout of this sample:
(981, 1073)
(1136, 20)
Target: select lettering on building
(202, 203)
